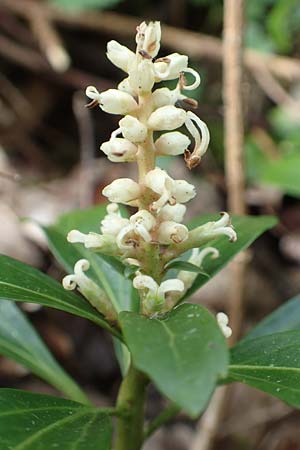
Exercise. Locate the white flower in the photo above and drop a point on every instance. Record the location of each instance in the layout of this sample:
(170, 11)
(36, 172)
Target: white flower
(139, 226)
(153, 295)
(173, 143)
(196, 258)
(132, 129)
(119, 55)
(167, 118)
(113, 222)
(88, 288)
(223, 321)
(119, 150)
(218, 228)
(112, 101)
(170, 67)
(172, 233)
(148, 38)
(174, 213)
(122, 190)
(95, 241)
(169, 190)
(201, 141)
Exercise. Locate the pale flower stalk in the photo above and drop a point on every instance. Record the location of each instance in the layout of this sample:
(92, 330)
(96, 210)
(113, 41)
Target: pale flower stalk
(154, 234)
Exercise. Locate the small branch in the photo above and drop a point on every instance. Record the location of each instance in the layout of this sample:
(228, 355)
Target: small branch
(194, 44)
(87, 148)
(165, 416)
(49, 40)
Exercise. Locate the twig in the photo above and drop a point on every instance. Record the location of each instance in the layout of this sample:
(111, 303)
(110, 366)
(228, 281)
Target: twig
(87, 148)
(165, 416)
(233, 109)
(208, 425)
(49, 40)
(35, 62)
(194, 44)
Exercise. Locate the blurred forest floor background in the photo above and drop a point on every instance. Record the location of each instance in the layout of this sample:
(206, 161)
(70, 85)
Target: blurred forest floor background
(50, 163)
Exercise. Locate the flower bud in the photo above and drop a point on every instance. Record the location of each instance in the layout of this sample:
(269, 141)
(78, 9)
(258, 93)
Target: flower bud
(113, 222)
(113, 101)
(132, 129)
(172, 233)
(183, 191)
(223, 321)
(167, 118)
(174, 213)
(122, 190)
(173, 143)
(169, 67)
(119, 55)
(148, 38)
(119, 150)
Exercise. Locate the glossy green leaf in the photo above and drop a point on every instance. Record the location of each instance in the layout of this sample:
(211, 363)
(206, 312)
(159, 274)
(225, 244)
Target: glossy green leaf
(270, 363)
(22, 283)
(39, 422)
(284, 318)
(20, 342)
(247, 228)
(183, 352)
(186, 266)
(106, 271)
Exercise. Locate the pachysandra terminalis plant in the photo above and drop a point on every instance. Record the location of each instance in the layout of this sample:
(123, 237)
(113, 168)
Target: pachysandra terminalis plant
(134, 274)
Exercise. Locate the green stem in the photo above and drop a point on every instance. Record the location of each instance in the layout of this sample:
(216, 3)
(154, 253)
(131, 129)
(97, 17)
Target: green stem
(165, 416)
(130, 404)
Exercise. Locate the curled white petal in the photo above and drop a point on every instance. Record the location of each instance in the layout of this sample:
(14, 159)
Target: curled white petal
(170, 67)
(145, 282)
(69, 282)
(190, 87)
(201, 140)
(171, 285)
(92, 93)
(198, 255)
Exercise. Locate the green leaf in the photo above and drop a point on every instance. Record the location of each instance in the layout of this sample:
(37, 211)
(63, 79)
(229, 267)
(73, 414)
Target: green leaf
(81, 5)
(20, 342)
(270, 363)
(187, 266)
(285, 318)
(39, 422)
(22, 283)
(184, 353)
(247, 228)
(106, 271)
(283, 173)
